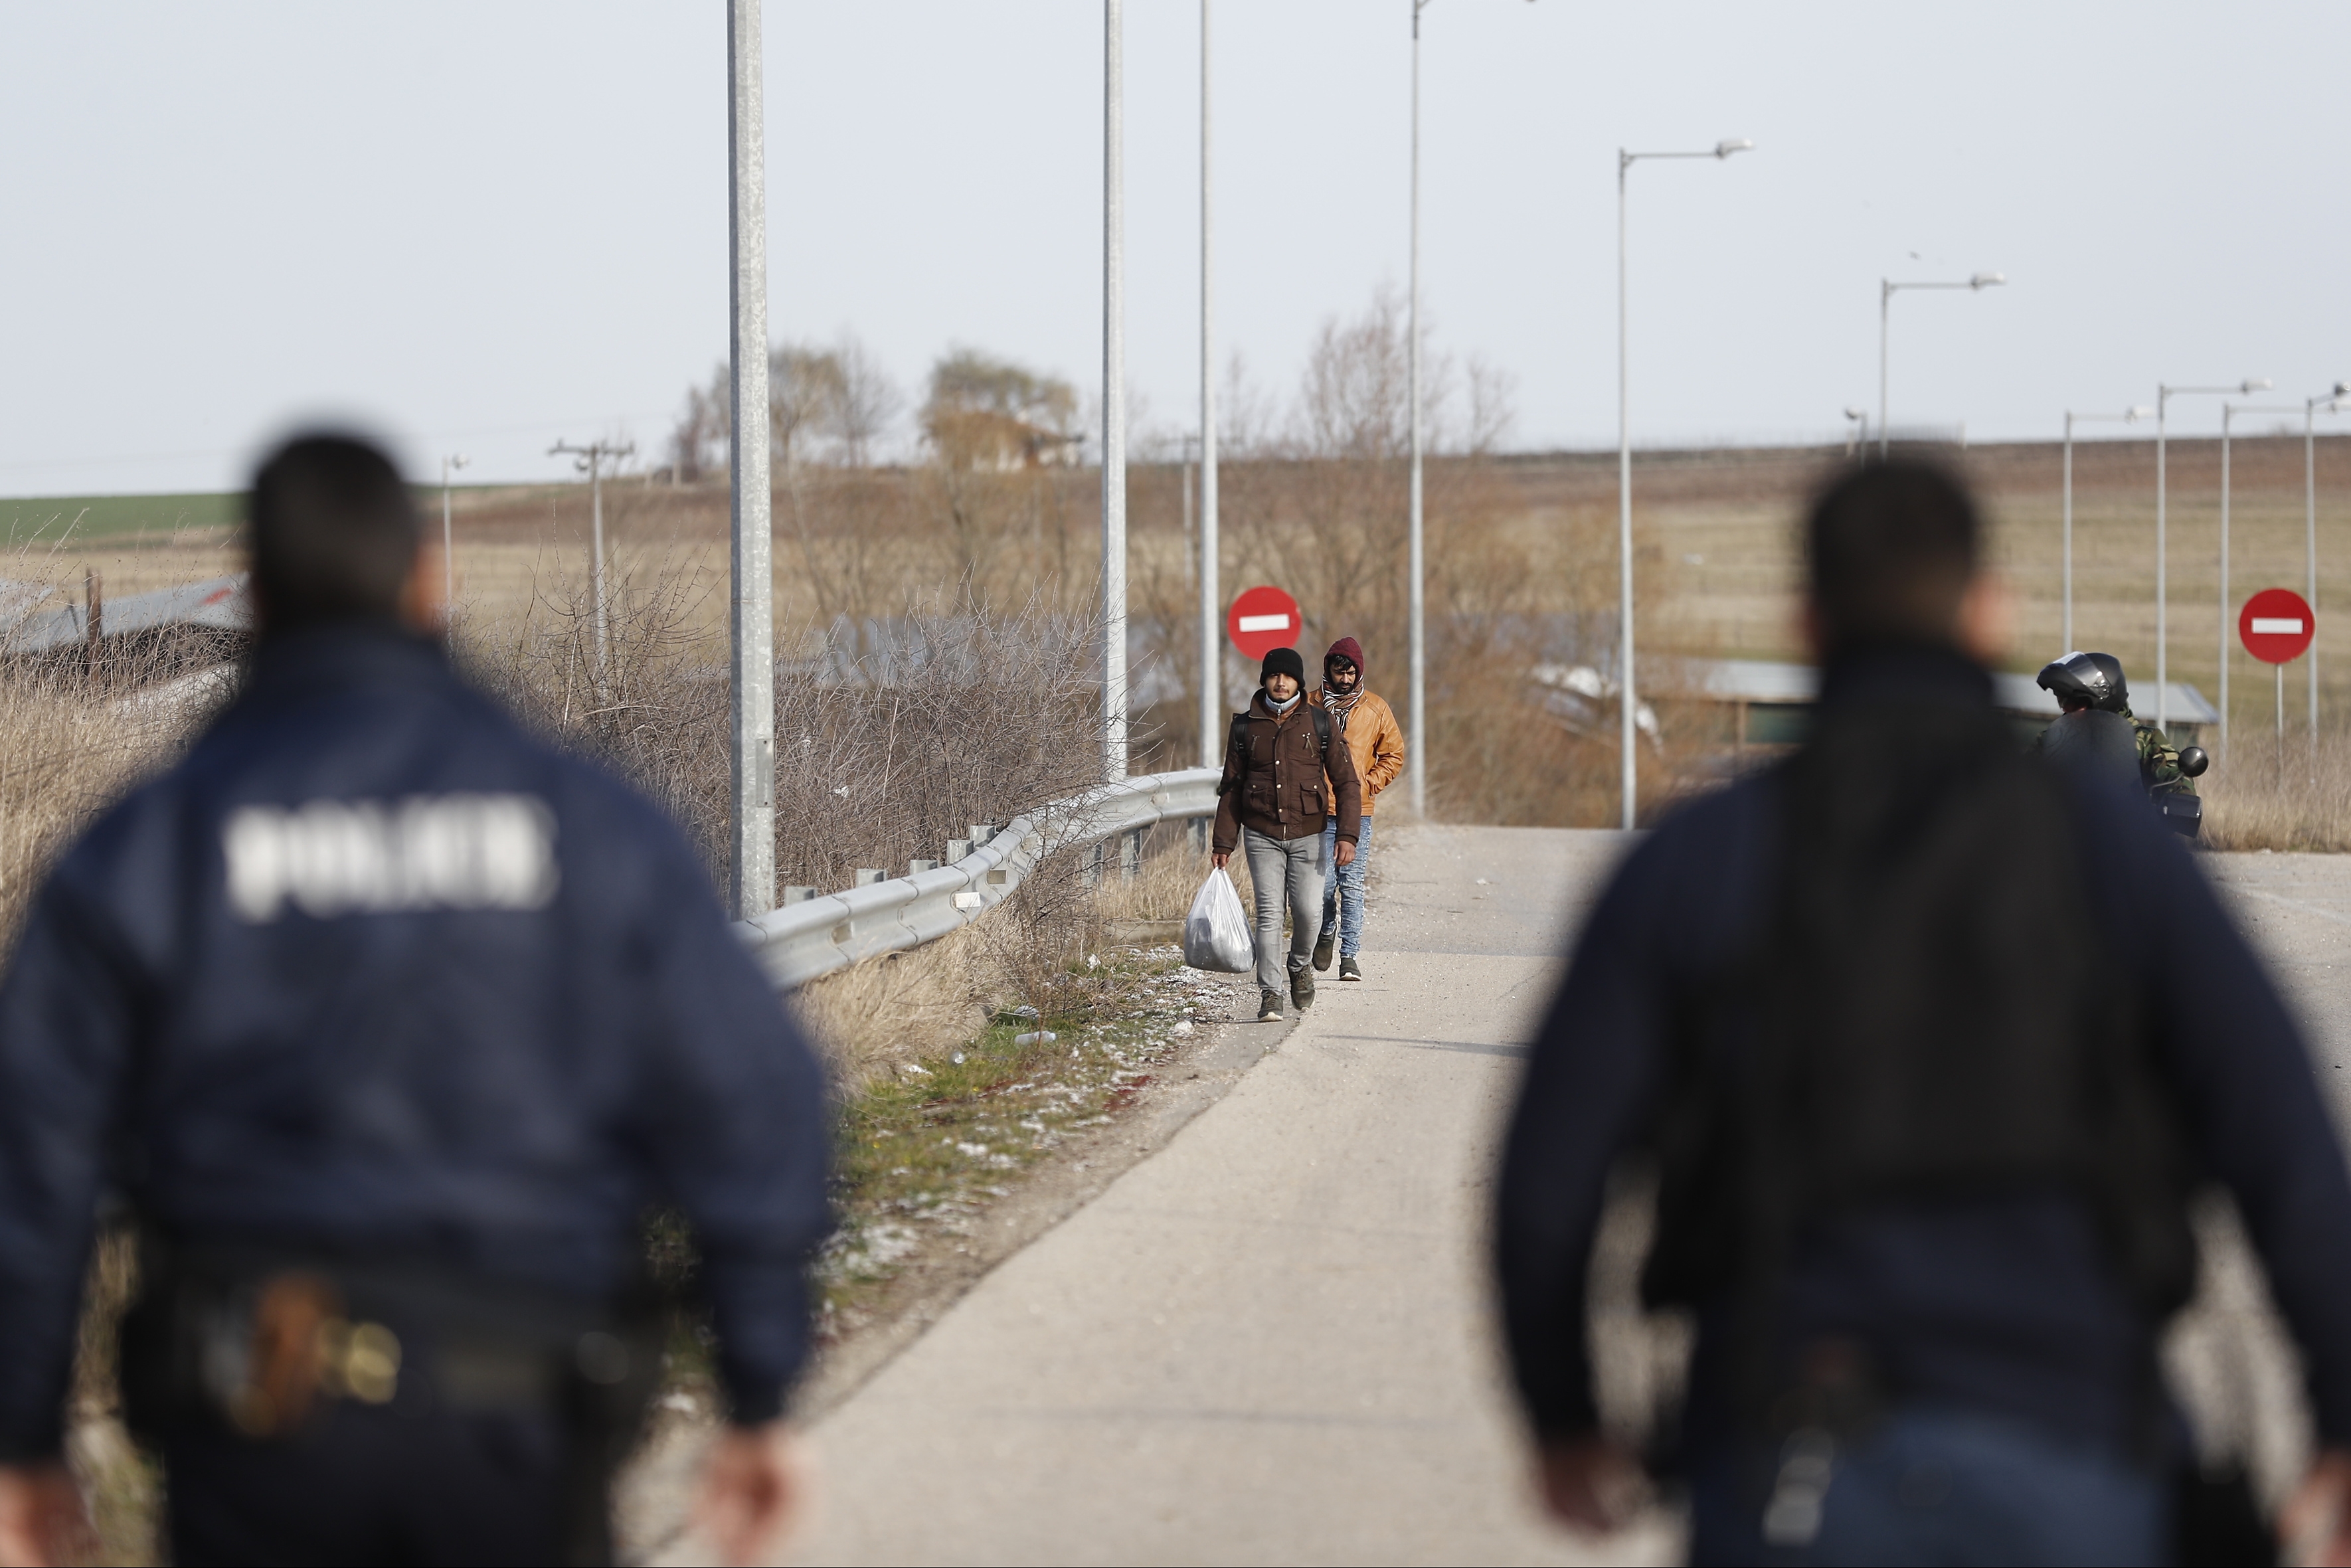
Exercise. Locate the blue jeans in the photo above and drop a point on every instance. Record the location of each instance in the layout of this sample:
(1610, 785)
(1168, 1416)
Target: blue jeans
(1932, 1485)
(1342, 891)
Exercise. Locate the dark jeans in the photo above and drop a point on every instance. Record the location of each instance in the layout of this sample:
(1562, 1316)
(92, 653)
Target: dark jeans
(370, 1485)
(1932, 1485)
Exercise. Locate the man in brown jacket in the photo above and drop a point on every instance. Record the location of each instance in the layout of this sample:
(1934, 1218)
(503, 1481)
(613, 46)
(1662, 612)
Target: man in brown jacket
(1284, 779)
(1375, 742)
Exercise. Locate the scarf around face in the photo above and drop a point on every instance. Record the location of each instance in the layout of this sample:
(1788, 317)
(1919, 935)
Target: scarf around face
(1282, 709)
(1339, 705)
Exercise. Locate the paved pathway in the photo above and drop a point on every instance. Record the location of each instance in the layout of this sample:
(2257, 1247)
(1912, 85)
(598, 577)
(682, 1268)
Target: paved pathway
(1268, 1342)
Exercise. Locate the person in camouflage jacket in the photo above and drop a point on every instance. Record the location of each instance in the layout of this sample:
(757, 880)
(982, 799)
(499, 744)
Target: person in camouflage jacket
(2084, 680)
(2159, 759)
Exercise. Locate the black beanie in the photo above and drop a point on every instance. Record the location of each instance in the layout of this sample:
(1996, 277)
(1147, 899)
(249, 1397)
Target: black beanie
(1283, 661)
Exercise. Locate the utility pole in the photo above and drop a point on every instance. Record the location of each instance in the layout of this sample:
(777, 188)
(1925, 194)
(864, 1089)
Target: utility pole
(751, 685)
(1113, 435)
(448, 540)
(1212, 630)
(591, 459)
(1417, 744)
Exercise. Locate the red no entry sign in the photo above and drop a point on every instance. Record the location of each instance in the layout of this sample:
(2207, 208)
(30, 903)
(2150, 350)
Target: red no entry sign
(2276, 626)
(1262, 620)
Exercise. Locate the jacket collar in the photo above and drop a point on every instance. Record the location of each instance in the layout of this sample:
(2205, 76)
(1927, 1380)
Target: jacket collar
(344, 653)
(1905, 673)
(1262, 706)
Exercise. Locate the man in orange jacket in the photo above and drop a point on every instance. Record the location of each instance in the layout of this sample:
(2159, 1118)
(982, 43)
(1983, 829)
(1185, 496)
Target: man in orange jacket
(1376, 742)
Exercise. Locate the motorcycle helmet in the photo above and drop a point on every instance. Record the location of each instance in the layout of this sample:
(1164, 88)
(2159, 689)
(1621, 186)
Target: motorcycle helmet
(2094, 680)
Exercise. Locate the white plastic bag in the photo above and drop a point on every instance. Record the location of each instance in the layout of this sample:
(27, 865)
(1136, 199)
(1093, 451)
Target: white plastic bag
(1217, 932)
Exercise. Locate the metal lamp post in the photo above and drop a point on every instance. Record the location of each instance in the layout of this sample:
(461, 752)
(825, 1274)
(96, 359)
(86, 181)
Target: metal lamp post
(2128, 416)
(448, 542)
(2332, 403)
(1625, 699)
(1858, 436)
(1417, 752)
(751, 672)
(1212, 642)
(2229, 412)
(1886, 289)
(1113, 431)
(2163, 396)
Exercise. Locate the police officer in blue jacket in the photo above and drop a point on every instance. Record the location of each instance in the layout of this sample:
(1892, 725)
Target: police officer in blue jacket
(388, 1025)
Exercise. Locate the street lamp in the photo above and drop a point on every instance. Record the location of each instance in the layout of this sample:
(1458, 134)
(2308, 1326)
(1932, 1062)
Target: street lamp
(2128, 416)
(1416, 753)
(2229, 411)
(1887, 289)
(1858, 436)
(1212, 640)
(1113, 395)
(448, 554)
(2163, 396)
(2333, 402)
(1624, 697)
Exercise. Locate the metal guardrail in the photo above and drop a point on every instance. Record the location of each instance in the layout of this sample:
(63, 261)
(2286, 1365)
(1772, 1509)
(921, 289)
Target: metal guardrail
(801, 940)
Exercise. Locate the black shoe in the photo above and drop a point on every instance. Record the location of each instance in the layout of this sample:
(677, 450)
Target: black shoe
(1301, 989)
(1347, 970)
(1322, 945)
(1269, 1010)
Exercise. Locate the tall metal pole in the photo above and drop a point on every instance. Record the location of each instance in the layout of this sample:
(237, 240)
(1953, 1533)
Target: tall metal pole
(1628, 764)
(1627, 696)
(2068, 638)
(592, 463)
(2162, 690)
(1417, 745)
(1113, 437)
(751, 684)
(596, 570)
(1212, 640)
(2333, 402)
(1884, 312)
(2310, 551)
(2163, 396)
(448, 535)
(2228, 413)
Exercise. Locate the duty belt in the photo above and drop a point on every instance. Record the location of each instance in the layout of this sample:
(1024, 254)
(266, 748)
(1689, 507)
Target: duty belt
(263, 1339)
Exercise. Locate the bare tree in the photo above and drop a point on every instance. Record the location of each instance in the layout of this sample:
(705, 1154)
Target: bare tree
(697, 443)
(869, 404)
(804, 388)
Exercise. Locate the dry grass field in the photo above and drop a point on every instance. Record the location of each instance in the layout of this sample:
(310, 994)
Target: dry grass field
(1522, 564)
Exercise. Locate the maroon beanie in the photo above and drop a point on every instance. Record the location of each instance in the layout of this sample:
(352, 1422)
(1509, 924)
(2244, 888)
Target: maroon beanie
(1345, 648)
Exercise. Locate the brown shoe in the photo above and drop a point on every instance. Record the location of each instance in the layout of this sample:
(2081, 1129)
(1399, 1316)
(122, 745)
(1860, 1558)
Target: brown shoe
(1301, 989)
(1322, 947)
(1269, 1008)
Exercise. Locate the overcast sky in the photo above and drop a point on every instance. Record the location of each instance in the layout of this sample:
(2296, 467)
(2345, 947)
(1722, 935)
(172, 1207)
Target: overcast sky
(481, 226)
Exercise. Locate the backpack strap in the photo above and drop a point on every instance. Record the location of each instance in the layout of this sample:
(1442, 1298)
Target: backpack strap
(1323, 731)
(1237, 739)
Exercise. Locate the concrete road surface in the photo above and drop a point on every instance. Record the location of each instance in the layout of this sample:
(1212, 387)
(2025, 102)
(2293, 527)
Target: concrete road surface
(1269, 1342)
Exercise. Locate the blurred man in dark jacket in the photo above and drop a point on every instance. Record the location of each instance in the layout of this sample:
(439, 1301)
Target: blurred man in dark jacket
(1926, 1042)
(388, 1025)
(1284, 777)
